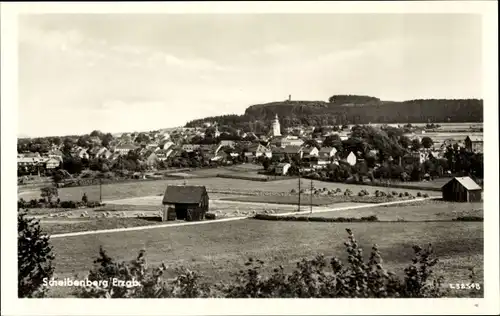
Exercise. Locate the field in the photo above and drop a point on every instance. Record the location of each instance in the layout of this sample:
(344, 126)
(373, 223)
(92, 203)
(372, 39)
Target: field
(430, 210)
(117, 191)
(435, 183)
(220, 249)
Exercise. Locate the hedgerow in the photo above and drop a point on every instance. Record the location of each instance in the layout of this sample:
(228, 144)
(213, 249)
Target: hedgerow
(319, 277)
(371, 218)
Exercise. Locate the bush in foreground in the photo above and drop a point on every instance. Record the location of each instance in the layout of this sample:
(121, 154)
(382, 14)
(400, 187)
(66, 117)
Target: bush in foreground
(311, 278)
(34, 257)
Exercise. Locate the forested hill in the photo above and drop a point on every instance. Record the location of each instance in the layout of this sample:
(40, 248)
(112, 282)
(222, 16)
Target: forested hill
(351, 109)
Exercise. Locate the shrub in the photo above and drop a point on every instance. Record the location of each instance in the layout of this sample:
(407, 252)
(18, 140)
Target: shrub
(268, 217)
(84, 198)
(361, 193)
(316, 277)
(69, 204)
(401, 194)
(48, 193)
(425, 195)
(21, 203)
(419, 194)
(34, 257)
(92, 204)
(293, 191)
(210, 216)
(394, 193)
(406, 193)
(469, 218)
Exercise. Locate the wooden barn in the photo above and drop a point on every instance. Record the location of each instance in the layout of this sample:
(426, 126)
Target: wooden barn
(461, 189)
(185, 202)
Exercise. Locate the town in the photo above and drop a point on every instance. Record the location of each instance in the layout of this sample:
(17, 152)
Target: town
(335, 153)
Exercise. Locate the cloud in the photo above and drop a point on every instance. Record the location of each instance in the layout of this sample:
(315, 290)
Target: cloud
(73, 44)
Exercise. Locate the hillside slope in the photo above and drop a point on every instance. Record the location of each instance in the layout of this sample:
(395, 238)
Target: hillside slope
(347, 109)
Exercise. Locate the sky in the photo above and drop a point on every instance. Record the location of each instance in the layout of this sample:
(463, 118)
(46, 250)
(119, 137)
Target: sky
(140, 72)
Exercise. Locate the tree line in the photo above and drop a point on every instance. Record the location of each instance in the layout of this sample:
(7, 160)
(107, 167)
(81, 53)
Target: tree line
(257, 118)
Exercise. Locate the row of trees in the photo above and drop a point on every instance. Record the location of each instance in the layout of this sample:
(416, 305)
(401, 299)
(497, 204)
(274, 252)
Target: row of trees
(44, 144)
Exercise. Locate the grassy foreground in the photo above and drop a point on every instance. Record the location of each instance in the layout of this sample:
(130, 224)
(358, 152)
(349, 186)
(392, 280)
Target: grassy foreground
(220, 249)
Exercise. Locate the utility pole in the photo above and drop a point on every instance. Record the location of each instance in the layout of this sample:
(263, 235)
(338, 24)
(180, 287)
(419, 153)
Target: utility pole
(311, 204)
(299, 193)
(100, 190)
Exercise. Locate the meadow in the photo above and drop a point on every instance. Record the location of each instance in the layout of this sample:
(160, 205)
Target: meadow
(220, 249)
(117, 191)
(429, 210)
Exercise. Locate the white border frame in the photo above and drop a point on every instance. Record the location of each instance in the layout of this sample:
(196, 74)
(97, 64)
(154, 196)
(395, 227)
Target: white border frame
(11, 305)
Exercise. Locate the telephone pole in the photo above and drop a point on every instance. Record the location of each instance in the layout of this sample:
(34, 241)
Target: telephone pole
(311, 204)
(299, 193)
(100, 190)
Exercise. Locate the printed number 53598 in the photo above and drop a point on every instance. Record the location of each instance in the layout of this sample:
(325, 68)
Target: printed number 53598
(465, 286)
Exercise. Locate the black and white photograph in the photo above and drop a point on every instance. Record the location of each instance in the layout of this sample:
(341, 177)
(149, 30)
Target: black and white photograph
(202, 151)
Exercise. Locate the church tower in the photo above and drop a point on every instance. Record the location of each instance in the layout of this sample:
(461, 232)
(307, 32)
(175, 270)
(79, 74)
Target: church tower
(276, 127)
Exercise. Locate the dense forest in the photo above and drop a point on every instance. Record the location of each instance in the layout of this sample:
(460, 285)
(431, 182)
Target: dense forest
(350, 109)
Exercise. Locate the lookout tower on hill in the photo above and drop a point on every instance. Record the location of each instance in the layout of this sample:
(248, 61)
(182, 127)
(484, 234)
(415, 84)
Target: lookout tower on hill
(276, 127)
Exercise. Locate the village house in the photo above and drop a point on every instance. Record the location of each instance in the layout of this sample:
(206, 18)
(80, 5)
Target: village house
(27, 162)
(413, 157)
(166, 145)
(282, 168)
(258, 150)
(81, 153)
(221, 156)
(294, 151)
(93, 151)
(188, 203)
(125, 149)
(190, 147)
(153, 146)
(103, 153)
(227, 143)
(51, 163)
(310, 152)
(350, 158)
(163, 154)
(56, 153)
(326, 153)
(291, 141)
(461, 189)
(474, 144)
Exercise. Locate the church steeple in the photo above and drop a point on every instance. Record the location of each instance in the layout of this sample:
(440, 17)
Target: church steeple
(276, 126)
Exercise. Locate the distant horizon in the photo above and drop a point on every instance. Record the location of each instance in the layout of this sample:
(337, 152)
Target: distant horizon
(116, 72)
(181, 126)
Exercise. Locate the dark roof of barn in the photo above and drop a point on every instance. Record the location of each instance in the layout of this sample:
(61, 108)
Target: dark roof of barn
(187, 194)
(466, 182)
